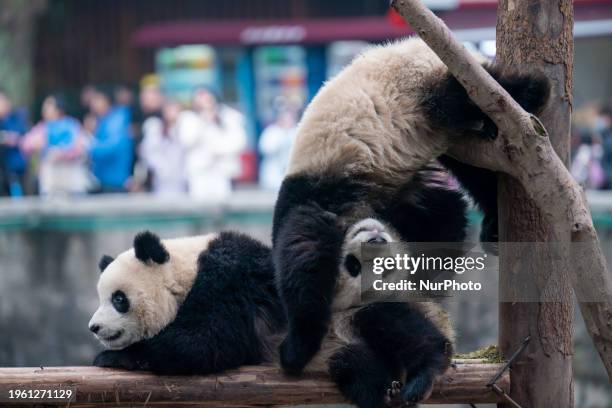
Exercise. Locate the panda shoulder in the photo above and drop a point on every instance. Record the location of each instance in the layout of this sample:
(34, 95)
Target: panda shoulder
(232, 250)
(236, 243)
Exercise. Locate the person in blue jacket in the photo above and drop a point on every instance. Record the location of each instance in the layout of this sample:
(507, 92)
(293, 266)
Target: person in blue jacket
(59, 142)
(12, 162)
(112, 146)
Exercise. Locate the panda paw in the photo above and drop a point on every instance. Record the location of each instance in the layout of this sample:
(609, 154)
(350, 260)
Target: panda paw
(416, 390)
(117, 359)
(393, 396)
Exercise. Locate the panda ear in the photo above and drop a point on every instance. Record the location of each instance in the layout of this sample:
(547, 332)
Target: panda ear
(147, 246)
(104, 262)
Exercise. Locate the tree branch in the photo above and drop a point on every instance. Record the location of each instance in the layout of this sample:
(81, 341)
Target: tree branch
(523, 150)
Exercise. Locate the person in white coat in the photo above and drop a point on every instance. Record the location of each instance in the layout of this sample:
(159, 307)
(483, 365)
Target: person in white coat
(213, 136)
(275, 147)
(163, 153)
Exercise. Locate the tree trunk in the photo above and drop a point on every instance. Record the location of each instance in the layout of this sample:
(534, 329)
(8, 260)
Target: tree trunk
(537, 34)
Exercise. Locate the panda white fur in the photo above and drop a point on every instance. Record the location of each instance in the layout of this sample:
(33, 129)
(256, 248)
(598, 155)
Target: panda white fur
(361, 150)
(188, 305)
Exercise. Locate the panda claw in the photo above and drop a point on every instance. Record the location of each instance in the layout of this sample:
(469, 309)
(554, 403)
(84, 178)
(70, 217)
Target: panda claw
(393, 395)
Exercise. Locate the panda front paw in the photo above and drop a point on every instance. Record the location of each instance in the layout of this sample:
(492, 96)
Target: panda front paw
(295, 354)
(417, 389)
(117, 359)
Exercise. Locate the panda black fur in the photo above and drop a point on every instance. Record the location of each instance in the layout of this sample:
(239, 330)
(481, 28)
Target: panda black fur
(184, 306)
(361, 148)
(368, 347)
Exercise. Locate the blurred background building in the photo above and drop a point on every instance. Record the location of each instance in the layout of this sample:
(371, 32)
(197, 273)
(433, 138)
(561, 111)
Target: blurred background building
(199, 100)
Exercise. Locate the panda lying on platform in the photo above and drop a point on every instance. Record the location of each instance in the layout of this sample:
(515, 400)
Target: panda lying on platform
(168, 308)
(185, 306)
(372, 348)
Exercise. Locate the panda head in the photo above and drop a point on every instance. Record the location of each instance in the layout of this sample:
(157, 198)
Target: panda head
(138, 293)
(348, 287)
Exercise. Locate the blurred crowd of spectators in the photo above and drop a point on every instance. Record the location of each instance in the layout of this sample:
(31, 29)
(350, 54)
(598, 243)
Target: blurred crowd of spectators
(116, 145)
(591, 163)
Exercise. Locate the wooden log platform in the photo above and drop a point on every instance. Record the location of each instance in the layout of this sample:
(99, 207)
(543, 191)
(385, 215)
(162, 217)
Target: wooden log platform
(253, 386)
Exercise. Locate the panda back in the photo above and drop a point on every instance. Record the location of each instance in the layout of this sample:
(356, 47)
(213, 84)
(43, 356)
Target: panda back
(368, 119)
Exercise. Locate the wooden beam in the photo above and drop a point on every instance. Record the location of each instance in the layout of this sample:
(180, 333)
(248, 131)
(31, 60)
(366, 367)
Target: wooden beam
(254, 386)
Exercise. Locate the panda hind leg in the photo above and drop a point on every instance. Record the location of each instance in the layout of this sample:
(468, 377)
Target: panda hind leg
(401, 333)
(362, 376)
(530, 89)
(448, 107)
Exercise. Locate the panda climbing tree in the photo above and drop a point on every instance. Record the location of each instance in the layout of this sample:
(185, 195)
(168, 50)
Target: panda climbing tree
(539, 200)
(369, 131)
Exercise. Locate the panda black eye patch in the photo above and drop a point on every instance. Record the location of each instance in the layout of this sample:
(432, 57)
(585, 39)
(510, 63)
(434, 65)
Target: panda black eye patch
(120, 301)
(352, 265)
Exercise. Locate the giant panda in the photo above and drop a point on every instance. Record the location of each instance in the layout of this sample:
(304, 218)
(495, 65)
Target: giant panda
(363, 149)
(378, 353)
(184, 306)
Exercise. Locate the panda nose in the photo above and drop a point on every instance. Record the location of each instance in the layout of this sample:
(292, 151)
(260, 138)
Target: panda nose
(377, 240)
(94, 328)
